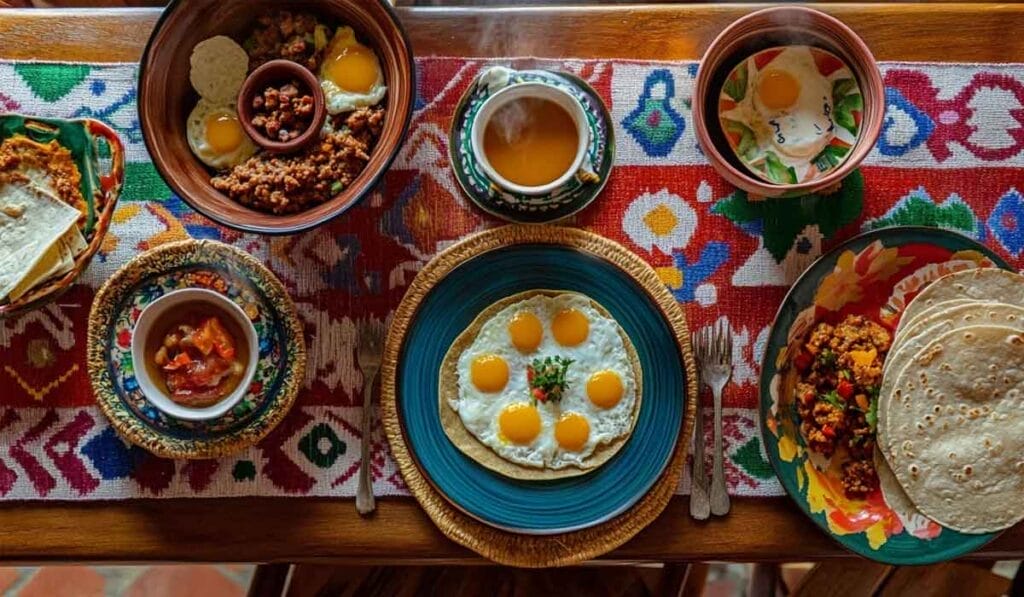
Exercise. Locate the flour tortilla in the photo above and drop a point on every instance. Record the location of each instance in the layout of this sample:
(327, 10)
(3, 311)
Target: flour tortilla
(218, 68)
(957, 428)
(982, 283)
(910, 318)
(892, 492)
(32, 220)
(927, 328)
(448, 389)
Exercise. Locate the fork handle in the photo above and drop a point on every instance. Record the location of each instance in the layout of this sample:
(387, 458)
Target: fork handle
(719, 495)
(365, 502)
(700, 506)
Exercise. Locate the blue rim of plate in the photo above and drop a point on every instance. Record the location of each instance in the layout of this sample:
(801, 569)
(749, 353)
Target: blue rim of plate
(540, 507)
(899, 549)
(525, 209)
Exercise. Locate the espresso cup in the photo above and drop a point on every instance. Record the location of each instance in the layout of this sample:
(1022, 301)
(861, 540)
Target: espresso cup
(517, 91)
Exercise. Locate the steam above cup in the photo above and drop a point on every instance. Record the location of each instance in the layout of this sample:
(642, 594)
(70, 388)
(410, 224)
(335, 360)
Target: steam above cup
(512, 94)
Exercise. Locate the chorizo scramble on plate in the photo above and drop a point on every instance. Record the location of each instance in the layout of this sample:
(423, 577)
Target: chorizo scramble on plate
(839, 373)
(352, 80)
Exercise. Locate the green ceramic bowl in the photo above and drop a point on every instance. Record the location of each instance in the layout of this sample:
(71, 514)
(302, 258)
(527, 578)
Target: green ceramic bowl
(877, 274)
(99, 155)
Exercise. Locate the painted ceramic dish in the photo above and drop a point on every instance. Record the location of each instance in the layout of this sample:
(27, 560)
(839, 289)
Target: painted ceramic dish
(569, 519)
(791, 114)
(280, 365)
(98, 154)
(570, 198)
(875, 275)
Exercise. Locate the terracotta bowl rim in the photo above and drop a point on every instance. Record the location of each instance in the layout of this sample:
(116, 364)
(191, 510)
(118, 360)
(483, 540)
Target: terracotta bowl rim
(373, 179)
(249, 90)
(872, 88)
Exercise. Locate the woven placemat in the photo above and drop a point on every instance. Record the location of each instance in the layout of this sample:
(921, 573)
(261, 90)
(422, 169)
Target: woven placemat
(502, 546)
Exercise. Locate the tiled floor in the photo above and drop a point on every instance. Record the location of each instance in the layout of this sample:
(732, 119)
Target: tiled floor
(129, 581)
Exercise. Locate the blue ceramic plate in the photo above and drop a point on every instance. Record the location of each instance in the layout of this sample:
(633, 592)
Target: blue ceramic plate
(540, 507)
(876, 274)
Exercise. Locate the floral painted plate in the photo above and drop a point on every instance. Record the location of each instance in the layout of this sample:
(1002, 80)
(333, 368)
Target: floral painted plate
(791, 114)
(874, 274)
(514, 207)
(195, 264)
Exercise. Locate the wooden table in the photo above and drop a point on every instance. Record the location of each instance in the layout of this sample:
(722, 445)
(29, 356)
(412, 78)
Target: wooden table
(318, 530)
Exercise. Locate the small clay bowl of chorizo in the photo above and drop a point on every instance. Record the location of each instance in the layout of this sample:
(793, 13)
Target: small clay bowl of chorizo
(281, 106)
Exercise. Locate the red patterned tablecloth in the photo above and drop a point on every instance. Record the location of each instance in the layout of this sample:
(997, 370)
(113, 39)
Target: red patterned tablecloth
(951, 154)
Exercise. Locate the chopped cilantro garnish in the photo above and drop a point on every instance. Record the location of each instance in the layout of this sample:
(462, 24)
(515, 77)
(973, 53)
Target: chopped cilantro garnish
(872, 415)
(844, 374)
(833, 399)
(827, 358)
(546, 378)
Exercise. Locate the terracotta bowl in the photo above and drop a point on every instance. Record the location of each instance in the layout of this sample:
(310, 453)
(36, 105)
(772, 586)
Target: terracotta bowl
(166, 97)
(277, 72)
(780, 26)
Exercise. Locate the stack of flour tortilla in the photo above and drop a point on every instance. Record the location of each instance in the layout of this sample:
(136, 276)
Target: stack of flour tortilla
(39, 238)
(951, 406)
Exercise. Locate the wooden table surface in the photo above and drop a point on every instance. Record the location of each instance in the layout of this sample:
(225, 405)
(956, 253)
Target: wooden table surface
(308, 530)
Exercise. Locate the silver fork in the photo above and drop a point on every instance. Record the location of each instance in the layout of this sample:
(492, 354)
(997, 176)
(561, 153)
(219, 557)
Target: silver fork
(368, 355)
(700, 506)
(714, 350)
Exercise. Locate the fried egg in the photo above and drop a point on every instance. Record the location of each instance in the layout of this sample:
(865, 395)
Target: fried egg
(497, 405)
(793, 103)
(350, 74)
(216, 136)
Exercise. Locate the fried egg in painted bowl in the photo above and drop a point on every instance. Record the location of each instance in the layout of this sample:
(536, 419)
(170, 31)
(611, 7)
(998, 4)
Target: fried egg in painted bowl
(541, 385)
(791, 113)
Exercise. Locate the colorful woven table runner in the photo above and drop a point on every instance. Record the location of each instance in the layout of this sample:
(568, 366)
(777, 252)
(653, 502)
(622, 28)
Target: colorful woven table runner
(951, 154)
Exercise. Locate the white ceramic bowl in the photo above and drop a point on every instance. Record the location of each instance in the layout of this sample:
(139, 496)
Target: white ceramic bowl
(542, 91)
(144, 326)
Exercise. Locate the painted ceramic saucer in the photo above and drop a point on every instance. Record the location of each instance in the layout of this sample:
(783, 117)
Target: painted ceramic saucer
(578, 193)
(195, 264)
(875, 274)
(791, 114)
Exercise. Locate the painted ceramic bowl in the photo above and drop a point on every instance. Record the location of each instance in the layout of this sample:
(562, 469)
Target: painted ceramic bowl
(876, 275)
(179, 300)
(280, 355)
(771, 28)
(791, 114)
(166, 97)
(90, 142)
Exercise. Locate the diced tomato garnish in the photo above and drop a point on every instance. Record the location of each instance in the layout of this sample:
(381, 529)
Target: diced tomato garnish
(844, 389)
(539, 394)
(529, 374)
(808, 397)
(828, 431)
(803, 361)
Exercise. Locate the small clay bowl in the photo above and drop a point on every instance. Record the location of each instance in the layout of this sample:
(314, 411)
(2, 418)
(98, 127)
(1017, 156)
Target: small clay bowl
(276, 73)
(782, 26)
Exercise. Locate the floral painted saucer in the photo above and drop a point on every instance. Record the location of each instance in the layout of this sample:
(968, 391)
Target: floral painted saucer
(791, 114)
(576, 194)
(195, 264)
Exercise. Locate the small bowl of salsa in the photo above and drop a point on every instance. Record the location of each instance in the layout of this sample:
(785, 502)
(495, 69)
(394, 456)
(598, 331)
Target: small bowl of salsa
(195, 353)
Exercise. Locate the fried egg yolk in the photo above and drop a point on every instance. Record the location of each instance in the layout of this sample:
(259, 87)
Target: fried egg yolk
(572, 431)
(489, 373)
(526, 331)
(351, 65)
(604, 389)
(223, 132)
(570, 327)
(519, 423)
(778, 89)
